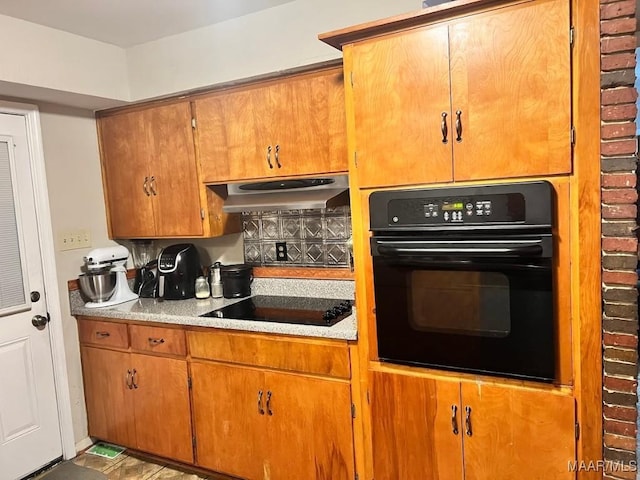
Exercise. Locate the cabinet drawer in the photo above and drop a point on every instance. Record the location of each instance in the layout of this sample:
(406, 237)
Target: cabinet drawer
(320, 357)
(108, 334)
(157, 340)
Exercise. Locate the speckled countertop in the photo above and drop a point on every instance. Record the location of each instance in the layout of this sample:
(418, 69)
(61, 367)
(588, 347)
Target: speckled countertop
(186, 312)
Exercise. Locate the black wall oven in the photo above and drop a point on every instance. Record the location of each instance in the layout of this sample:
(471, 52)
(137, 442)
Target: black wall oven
(463, 278)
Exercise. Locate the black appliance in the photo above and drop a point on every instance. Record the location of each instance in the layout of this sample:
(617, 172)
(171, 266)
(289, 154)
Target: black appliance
(463, 278)
(236, 280)
(282, 309)
(178, 268)
(146, 281)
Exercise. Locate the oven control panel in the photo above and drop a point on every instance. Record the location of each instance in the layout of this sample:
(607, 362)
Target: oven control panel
(496, 208)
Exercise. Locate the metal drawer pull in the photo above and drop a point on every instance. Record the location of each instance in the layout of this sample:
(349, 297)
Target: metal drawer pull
(156, 341)
(467, 421)
(133, 378)
(152, 185)
(260, 409)
(129, 380)
(145, 186)
(269, 156)
(458, 126)
(269, 403)
(443, 127)
(278, 156)
(103, 334)
(454, 419)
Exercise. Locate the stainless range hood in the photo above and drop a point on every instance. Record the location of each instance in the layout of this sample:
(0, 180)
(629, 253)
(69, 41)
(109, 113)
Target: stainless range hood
(293, 194)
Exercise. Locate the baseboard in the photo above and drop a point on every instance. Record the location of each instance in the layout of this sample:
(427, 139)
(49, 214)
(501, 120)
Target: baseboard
(83, 444)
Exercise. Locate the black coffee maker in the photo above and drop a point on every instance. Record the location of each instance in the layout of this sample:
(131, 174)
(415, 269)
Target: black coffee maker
(145, 262)
(178, 268)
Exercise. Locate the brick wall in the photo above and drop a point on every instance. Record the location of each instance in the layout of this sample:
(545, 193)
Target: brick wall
(619, 236)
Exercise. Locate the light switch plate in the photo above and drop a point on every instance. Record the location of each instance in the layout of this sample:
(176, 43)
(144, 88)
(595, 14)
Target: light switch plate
(74, 239)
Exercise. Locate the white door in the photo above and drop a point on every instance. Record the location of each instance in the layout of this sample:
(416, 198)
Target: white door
(29, 423)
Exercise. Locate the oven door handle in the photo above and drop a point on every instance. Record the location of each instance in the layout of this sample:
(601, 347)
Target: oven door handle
(530, 249)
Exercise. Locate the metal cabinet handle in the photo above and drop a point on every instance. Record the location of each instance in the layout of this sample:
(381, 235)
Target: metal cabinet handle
(134, 382)
(278, 156)
(269, 403)
(103, 334)
(129, 380)
(443, 127)
(156, 341)
(269, 156)
(260, 409)
(454, 419)
(145, 186)
(458, 126)
(152, 185)
(467, 421)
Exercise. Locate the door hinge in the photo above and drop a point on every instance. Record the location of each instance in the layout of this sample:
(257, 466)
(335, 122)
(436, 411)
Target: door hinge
(193, 123)
(189, 383)
(355, 159)
(577, 431)
(356, 477)
(368, 398)
(202, 213)
(351, 78)
(573, 135)
(353, 410)
(193, 441)
(572, 33)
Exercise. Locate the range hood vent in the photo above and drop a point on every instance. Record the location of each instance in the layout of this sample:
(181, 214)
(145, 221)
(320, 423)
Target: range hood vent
(294, 194)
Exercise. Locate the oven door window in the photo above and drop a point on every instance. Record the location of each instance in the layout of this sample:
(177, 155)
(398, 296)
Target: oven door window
(459, 302)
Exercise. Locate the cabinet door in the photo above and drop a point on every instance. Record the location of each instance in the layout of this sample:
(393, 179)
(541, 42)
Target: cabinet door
(110, 409)
(162, 409)
(309, 124)
(172, 164)
(228, 424)
(510, 79)
(125, 167)
(518, 433)
(309, 431)
(412, 426)
(400, 92)
(232, 143)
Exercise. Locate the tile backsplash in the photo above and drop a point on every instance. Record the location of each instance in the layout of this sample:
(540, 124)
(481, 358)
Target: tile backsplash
(313, 238)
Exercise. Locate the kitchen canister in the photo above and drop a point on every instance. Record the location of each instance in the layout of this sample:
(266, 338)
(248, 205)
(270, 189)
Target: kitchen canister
(236, 280)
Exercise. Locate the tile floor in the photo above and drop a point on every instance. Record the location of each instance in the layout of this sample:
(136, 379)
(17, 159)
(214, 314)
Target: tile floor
(126, 467)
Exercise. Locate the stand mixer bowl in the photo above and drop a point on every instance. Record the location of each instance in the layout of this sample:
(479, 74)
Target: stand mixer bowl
(98, 286)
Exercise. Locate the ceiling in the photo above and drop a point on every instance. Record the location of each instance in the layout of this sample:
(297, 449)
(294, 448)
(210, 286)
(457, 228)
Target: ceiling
(130, 22)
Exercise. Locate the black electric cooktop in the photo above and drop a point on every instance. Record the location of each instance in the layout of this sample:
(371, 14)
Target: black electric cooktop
(296, 310)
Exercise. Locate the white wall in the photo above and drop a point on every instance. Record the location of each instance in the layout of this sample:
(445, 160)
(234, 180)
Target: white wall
(275, 39)
(76, 200)
(51, 61)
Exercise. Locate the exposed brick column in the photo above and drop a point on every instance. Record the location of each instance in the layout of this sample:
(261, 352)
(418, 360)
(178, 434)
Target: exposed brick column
(619, 235)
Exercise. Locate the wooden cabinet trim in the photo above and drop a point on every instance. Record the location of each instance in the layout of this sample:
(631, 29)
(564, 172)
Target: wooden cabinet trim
(444, 11)
(312, 356)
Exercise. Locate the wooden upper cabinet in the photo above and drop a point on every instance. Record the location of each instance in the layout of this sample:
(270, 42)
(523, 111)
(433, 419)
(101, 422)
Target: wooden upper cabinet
(510, 79)
(289, 127)
(518, 433)
(412, 430)
(150, 173)
(483, 96)
(400, 93)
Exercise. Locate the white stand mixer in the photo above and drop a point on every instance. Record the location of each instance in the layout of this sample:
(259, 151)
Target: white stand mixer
(115, 258)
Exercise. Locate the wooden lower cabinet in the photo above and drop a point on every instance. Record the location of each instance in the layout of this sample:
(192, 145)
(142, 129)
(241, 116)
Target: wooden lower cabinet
(258, 424)
(139, 401)
(109, 401)
(426, 428)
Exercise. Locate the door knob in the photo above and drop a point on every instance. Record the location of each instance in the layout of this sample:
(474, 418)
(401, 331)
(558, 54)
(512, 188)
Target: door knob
(40, 321)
